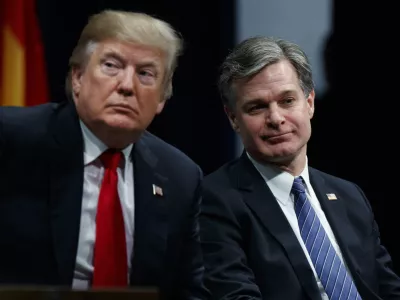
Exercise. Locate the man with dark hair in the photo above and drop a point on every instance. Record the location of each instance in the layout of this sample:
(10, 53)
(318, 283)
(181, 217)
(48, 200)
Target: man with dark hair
(272, 227)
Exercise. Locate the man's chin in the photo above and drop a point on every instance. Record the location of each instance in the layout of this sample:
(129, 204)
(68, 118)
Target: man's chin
(279, 156)
(121, 124)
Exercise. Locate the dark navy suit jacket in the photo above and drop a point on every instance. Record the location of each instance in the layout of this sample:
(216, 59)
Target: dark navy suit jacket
(251, 252)
(41, 183)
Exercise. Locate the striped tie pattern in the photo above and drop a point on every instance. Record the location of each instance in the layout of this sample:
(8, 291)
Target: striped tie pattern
(329, 267)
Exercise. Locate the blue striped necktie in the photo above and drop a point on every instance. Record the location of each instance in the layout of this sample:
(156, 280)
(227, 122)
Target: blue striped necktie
(329, 267)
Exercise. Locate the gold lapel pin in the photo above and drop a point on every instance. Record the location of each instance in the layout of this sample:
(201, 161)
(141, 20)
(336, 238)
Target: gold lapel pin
(331, 196)
(157, 190)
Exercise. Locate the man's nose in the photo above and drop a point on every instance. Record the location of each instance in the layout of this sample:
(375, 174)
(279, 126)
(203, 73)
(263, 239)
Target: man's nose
(126, 84)
(275, 118)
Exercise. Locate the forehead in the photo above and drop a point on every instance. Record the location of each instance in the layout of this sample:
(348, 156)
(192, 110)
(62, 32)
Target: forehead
(132, 52)
(275, 79)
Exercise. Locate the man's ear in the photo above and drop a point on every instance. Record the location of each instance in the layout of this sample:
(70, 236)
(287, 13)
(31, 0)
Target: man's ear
(232, 118)
(76, 80)
(160, 106)
(311, 103)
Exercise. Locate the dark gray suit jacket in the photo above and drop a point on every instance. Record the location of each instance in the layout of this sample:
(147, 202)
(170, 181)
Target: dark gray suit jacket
(251, 252)
(41, 183)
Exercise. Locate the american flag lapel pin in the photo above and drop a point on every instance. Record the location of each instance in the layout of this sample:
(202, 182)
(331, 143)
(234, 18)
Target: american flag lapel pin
(331, 196)
(157, 190)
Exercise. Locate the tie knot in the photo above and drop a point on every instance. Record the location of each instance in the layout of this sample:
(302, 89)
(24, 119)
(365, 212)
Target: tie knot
(111, 158)
(298, 186)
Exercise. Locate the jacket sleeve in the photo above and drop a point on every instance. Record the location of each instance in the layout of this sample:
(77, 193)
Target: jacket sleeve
(388, 281)
(228, 275)
(192, 274)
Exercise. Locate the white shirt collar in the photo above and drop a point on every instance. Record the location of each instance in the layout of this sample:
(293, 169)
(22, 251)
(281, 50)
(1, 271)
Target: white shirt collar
(94, 147)
(280, 182)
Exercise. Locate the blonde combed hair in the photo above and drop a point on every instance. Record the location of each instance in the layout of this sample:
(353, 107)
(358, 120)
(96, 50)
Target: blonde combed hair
(130, 27)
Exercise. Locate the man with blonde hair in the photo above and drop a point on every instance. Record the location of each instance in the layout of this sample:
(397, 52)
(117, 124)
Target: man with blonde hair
(88, 197)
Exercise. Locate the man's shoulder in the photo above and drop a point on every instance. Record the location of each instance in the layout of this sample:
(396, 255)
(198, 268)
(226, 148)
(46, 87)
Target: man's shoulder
(224, 176)
(26, 117)
(27, 111)
(23, 128)
(166, 153)
(332, 179)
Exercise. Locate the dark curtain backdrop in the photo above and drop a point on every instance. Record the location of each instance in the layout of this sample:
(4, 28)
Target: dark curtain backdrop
(193, 119)
(356, 128)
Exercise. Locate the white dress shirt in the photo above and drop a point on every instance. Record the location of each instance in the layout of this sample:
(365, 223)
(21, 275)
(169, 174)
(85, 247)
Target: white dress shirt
(93, 175)
(280, 184)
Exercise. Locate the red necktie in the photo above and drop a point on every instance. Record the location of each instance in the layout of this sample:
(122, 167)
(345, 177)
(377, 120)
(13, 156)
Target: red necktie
(110, 258)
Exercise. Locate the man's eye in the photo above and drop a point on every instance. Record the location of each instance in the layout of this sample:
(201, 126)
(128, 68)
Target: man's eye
(257, 107)
(110, 65)
(288, 101)
(146, 73)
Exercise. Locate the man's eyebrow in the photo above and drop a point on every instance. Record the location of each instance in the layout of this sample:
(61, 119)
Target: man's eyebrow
(287, 92)
(150, 63)
(113, 54)
(253, 101)
(143, 64)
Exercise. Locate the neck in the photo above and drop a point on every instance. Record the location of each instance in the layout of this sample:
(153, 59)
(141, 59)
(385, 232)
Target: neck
(114, 137)
(293, 165)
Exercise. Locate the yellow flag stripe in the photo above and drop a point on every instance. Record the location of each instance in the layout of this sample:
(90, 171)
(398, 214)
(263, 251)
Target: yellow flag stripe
(13, 85)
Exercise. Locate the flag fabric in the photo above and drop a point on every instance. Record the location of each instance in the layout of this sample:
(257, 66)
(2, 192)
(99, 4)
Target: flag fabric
(23, 76)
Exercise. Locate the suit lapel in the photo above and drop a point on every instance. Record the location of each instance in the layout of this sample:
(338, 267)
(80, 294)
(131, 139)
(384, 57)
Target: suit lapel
(264, 205)
(151, 215)
(336, 214)
(66, 185)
